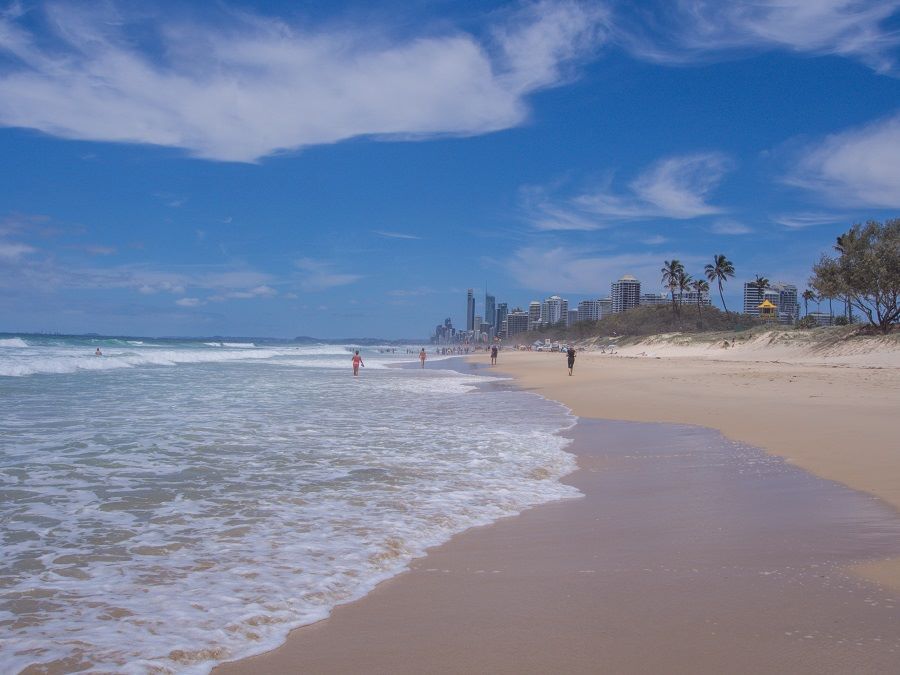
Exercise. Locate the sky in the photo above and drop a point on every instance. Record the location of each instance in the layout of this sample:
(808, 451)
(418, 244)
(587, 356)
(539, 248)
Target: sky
(339, 169)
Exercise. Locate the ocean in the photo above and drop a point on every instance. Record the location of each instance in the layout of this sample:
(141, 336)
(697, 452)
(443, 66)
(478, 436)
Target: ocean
(174, 503)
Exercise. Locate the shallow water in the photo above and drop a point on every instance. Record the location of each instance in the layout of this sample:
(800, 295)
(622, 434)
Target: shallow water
(171, 505)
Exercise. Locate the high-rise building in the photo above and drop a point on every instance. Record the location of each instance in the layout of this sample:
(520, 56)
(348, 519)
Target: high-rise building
(571, 317)
(500, 315)
(780, 294)
(489, 308)
(470, 309)
(534, 314)
(554, 310)
(625, 294)
(605, 307)
(517, 322)
(588, 310)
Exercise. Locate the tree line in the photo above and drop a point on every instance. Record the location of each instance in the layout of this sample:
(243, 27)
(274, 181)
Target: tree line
(865, 275)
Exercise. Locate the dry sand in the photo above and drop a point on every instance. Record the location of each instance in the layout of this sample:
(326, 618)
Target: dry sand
(688, 554)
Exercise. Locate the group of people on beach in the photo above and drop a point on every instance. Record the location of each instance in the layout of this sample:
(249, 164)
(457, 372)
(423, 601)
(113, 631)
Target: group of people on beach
(357, 360)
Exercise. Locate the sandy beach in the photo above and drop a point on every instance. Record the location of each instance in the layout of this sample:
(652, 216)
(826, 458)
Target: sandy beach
(691, 551)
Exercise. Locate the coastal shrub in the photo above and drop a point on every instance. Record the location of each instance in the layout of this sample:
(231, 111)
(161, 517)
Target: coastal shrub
(807, 322)
(866, 272)
(841, 321)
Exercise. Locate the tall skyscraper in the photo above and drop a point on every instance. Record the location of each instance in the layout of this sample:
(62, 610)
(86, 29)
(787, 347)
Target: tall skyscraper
(534, 314)
(501, 314)
(625, 294)
(470, 309)
(490, 308)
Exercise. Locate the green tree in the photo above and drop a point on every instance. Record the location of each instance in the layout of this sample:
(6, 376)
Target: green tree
(672, 271)
(867, 272)
(719, 272)
(700, 287)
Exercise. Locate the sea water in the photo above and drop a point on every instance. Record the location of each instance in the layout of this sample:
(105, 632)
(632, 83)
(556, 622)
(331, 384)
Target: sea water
(173, 504)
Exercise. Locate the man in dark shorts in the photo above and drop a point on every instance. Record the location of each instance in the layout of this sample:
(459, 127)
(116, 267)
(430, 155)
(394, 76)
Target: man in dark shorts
(494, 355)
(570, 357)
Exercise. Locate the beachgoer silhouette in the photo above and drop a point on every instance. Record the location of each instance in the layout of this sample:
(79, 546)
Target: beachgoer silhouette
(494, 355)
(423, 356)
(357, 362)
(98, 352)
(570, 357)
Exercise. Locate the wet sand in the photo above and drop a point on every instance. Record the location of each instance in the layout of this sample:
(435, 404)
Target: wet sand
(688, 553)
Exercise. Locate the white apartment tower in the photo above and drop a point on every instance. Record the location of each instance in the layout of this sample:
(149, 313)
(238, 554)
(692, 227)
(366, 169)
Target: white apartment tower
(625, 294)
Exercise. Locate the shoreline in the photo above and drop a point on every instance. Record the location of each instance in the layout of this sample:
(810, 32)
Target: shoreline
(393, 620)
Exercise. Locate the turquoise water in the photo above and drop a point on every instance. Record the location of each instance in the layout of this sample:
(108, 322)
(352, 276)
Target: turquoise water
(173, 504)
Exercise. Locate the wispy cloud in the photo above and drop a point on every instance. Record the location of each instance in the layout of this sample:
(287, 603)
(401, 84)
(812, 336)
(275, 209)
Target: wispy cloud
(396, 235)
(239, 87)
(189, 302)
(729, 227)
(686, 31)
(797, 221)
(410, 292)
(319, 275)
(675, 188)
(858, 167)
(13, 251)
(571, 270)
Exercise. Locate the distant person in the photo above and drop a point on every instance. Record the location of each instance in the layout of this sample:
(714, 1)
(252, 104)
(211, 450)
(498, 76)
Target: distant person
(570, 357)
(494, 355)
(98, 352)
(357, 362)
(423, 356)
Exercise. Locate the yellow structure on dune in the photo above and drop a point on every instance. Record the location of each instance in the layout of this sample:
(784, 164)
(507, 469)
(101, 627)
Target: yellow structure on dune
(767, 311)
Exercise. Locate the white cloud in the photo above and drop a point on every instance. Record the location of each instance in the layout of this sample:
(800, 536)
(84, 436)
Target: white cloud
(396, 235)
(692, 30)
(729, 227)
(189, 302)
(858, 167)
(570, 270)
(318, 275)
(411, 292)
(655, 240)
(796, 221)
(12, 251)
(675, 187)
(242, 87)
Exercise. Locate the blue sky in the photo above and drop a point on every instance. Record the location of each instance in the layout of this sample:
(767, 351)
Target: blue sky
(349, 169)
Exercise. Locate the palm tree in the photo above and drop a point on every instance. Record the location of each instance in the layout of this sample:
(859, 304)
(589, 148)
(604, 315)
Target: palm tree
(671, 272)
(720, 271)
(841, 245)
(761, 284)
(700, 287)
(807, 296)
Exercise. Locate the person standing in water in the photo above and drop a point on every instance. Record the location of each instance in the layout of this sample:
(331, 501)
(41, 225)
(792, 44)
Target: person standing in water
(493, 355)
(357, 362)
(98, 352)
(570, 357)
(423, 356)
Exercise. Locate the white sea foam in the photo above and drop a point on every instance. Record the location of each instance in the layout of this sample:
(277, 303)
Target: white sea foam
(13, 342)
(163, 519)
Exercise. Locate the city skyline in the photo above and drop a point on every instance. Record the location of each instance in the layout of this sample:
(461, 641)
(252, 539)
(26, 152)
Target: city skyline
(335, 169)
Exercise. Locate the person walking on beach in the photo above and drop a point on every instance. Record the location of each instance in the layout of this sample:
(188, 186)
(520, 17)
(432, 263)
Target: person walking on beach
(423, 356)
(357, 362)
(570, 357)
(494, 355)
